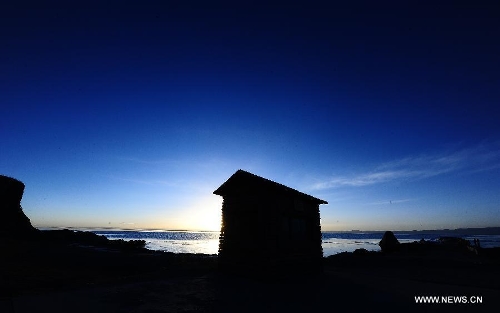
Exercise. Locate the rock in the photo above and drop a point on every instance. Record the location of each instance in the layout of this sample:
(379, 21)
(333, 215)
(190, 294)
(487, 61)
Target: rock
(389, 242)
(360, 251)
(85, 238)
(454, 241)
(15, 222)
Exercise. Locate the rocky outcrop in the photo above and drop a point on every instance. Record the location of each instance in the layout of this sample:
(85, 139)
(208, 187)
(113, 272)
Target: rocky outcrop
(15, 222)
(389, 242)
(89, 239)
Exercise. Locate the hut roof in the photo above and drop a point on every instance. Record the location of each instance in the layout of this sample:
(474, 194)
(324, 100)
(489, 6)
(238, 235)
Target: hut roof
(245, 182)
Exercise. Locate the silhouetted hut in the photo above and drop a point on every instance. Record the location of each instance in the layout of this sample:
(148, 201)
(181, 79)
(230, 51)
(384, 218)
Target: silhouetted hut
(267, 224)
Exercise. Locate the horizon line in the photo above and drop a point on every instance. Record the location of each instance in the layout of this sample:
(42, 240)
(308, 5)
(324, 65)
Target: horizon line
(197, 230)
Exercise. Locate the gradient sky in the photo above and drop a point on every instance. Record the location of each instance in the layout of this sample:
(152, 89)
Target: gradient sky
(129, 114)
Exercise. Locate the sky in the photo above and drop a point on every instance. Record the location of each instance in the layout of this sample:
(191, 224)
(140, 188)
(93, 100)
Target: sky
(129, 114)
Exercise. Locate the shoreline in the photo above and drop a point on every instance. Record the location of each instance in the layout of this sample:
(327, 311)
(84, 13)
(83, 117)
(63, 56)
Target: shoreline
(117, 279)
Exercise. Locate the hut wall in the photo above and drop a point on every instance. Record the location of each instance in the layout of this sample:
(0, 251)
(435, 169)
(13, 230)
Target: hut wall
(301, 231)
(263, 229)
(241, 231)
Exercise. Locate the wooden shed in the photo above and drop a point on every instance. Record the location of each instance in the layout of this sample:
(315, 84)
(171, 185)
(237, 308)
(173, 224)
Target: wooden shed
(267, 224)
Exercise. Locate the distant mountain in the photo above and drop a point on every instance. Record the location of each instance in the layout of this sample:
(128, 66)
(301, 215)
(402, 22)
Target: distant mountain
(451, 232)
(459, 231)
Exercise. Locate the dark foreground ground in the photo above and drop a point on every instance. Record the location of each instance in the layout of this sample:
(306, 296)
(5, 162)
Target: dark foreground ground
(64, 276)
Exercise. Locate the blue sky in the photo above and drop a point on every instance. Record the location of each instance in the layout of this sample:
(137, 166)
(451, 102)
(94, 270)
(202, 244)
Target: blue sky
(130, 115)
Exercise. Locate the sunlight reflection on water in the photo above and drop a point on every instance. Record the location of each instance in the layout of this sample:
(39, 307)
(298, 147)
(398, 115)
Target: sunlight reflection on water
(210, 246)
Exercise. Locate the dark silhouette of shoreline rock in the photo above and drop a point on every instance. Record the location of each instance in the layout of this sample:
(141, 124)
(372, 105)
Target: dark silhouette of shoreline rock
(89, 239)
(16, 223)
(389, 242)
(454, 241)
(18, 226)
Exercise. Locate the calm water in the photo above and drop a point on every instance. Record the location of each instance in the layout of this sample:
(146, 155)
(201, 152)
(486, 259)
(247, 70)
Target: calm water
(333, 242)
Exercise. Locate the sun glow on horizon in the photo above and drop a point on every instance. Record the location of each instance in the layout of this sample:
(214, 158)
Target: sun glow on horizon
(204, 214)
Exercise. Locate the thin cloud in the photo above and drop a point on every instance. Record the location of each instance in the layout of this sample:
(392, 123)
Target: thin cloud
(146, 161)
(478, 158)
(397, 201)
(143, 182)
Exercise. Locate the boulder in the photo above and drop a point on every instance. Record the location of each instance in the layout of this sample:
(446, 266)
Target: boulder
(389, 242)
(361, 251)
(454, 241)
(15, 222)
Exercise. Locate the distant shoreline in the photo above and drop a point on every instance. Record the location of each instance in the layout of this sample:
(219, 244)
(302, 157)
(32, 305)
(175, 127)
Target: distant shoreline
(125, 229)
(462, 231)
